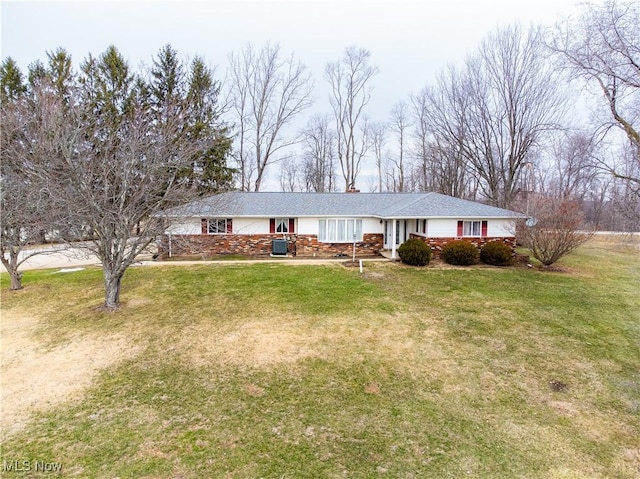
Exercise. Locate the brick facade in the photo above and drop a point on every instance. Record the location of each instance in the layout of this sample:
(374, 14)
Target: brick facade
(305, 246)
(436, 244)
(210, 246)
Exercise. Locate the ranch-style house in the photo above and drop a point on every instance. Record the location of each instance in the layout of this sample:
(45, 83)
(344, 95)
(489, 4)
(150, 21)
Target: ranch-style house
(328, 224)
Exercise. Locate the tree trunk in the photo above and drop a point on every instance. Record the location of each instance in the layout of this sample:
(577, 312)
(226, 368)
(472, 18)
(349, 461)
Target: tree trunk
(11, 265)
(16, 279)
(112, 283)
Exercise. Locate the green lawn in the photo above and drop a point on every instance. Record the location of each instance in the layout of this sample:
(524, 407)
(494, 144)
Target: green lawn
(283, 371)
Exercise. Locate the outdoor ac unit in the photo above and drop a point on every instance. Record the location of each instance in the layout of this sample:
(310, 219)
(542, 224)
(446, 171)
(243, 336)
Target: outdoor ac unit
(279, 247)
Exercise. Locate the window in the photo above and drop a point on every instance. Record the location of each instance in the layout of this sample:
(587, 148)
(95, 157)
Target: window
(282, 225)
(340, 230)
(216, 226)
(421, 226)
(472, 228)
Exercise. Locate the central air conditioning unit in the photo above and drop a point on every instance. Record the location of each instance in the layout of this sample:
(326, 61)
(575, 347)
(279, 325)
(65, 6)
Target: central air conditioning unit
(279, 247)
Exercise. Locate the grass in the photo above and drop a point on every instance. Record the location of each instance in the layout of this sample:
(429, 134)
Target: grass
(286, 371)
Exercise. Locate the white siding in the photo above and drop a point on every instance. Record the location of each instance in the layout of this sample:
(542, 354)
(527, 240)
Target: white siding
(250, 226)
(186, 226)
(500, 228)
(372, 226)
(448, 228)
(436, 227)
(442, 228)
(307, 226)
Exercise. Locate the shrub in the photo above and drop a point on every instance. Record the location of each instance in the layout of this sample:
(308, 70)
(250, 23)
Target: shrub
(496, 253)
(460, 252)
(557, 230)
(415, 252)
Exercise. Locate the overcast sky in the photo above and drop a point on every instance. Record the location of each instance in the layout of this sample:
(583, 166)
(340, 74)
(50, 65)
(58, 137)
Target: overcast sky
(410, 41)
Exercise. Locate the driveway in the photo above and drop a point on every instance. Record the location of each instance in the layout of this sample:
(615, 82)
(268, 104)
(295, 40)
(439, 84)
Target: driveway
(60, 256)
(55, 256)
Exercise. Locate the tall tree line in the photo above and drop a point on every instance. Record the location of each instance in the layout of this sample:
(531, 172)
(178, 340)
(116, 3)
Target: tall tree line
(496, 128)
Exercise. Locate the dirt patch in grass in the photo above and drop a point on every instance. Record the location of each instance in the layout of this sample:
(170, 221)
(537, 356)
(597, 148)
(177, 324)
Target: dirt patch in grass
(36, 377)
(253, 344)
(284, 340)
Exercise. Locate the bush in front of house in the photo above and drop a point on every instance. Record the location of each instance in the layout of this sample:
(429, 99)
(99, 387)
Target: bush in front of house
(496, 253)
(415, 252)
(460, 252)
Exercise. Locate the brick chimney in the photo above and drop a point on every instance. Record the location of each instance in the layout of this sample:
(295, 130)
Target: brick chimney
(352, 189)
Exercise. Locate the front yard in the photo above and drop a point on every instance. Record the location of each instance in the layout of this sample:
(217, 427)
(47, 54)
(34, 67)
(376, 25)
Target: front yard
(291, 371)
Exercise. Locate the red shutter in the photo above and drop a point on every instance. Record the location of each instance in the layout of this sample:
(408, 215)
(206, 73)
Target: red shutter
(229, 226)
(484, 229)
(292, 225)
(272, 225)
(204, 226)
(460, 229)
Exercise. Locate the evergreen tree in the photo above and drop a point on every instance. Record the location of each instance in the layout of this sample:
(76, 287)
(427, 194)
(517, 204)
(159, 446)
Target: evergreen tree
(11, 81)
(193, 95)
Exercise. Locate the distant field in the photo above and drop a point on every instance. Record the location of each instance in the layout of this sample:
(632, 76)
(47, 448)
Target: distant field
(294, 371)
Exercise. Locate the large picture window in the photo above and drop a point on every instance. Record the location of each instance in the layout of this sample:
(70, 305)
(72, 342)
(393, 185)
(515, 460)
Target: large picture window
(340, 230)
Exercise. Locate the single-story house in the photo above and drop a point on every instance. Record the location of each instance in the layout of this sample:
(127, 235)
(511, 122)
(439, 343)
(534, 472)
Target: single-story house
(328, 224)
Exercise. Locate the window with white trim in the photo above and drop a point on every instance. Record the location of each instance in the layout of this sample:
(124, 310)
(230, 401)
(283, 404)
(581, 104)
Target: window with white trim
(471, 228)
(339, 230)
(421, 226)
(218, 226)
(282, 225)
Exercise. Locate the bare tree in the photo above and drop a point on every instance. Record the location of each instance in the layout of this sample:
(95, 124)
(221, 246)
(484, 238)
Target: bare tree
(267, 92)
(27, 213)
(603, 48)
(490, 115)
(513, 101)
(349, 79)
(557, 228)
(26, 210)
(438, 116)
(112, 164)
(378, 135)
(289, 175)
(319, 155)
(572, 165)
(115, 183)
(398, 124)
(625, 194)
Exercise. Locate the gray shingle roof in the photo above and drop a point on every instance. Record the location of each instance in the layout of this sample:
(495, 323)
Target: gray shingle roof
(378, 205)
